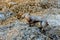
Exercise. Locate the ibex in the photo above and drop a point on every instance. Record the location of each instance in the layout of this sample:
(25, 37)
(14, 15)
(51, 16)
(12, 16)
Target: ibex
(34, 19)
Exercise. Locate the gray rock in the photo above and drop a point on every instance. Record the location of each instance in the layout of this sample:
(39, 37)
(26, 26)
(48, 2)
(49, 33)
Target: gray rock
(53, 20)
(21, 32)
(2, 16)
(59, 3)
(5, 15)
(9, 14)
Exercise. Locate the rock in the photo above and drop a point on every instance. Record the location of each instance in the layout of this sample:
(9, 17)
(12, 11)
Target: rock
(5, 15)
(9, 14)
(20, 31)
(2, 16)
(2, 35)
(53, 19)
(58, 3)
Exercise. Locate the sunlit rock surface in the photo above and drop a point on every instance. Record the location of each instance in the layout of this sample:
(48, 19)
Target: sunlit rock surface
(54, 20)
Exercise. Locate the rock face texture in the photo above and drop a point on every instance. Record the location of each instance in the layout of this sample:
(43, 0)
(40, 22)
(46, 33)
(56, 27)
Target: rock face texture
(13, 27)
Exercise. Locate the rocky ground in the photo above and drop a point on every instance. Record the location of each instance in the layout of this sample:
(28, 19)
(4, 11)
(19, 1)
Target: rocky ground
(13, 27)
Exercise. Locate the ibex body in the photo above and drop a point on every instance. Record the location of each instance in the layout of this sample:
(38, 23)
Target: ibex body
(34, 19)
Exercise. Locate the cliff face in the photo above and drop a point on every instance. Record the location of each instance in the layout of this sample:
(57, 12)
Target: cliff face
(13, 27)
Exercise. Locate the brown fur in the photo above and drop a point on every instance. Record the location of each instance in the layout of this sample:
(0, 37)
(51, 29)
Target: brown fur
(30, 22)
(19, 15)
